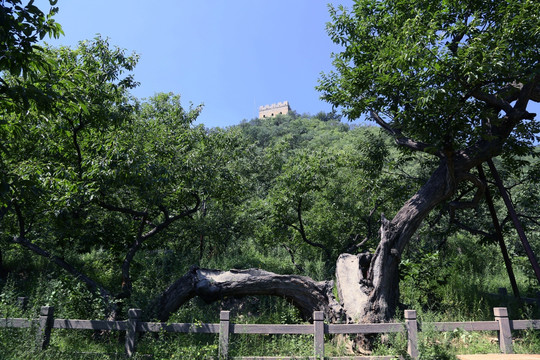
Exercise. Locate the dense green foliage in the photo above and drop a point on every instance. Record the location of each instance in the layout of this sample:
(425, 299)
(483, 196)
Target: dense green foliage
(22, 27)
(445, 276)
(428, 65)
(106, 199)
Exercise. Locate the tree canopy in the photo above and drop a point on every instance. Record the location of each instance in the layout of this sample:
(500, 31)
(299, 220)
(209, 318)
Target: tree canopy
(22, 27)
(439, 75)
(131, 198)
(452, 79)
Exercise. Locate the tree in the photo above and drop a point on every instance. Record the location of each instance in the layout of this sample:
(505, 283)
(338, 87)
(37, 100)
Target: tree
(110, 172)
(22, 27)
(451, 79)
(48, 187)
(325, 199)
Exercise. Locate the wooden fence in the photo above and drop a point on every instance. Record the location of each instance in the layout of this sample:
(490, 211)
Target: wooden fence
(502, 324)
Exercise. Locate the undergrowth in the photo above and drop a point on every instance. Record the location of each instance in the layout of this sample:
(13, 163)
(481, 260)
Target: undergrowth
(437, 288)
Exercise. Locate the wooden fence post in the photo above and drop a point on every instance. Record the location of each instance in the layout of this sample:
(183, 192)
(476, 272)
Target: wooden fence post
(318, 323)
(22, 301)
(134, 315)
(412, 333)
(224, 330)
(46, 319)
(505, 333)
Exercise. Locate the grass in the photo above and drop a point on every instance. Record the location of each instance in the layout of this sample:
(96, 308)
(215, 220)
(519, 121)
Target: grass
(441, 290)
(77, 344)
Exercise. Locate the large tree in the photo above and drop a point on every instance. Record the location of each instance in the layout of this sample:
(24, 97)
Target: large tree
(448, 79)
(452, 79)
(21, 58)
(109, 172)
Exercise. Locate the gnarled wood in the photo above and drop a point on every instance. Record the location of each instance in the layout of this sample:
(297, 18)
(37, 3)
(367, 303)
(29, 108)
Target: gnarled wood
(352, 292)
(212, 285)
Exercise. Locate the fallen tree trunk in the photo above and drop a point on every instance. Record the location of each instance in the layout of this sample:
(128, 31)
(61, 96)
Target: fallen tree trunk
(213, 285)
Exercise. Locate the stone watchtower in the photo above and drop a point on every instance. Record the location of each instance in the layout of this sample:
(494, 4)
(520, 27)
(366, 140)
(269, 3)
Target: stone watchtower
(281, 108)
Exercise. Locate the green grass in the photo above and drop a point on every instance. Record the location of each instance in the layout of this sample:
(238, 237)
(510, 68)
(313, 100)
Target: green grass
(448, 287)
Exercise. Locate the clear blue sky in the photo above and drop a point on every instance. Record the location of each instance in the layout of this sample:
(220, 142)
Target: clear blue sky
(231, 55)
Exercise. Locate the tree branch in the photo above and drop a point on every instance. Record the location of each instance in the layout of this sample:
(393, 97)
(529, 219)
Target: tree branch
(402, 140)
(212, 285)
(493, 101)
(302, 232)
(352, 248)
(127, 285)
(480, 188)
(122, 210)
(472, 230)
(533, 219)
(169, 220)
(291, 253)
(525, 94)
(92, 285)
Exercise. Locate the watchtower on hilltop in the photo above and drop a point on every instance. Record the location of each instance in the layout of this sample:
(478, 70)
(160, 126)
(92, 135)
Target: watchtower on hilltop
(281, 108)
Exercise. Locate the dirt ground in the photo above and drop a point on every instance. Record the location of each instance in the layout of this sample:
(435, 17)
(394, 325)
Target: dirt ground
(499, 357)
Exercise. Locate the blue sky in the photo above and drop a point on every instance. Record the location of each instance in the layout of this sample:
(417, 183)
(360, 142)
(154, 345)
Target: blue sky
(231, 55)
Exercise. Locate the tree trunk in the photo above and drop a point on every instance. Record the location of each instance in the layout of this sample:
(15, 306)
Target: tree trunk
(499, 234)
(212, 285)
(367, 283)
(92, 285)
(374, 279)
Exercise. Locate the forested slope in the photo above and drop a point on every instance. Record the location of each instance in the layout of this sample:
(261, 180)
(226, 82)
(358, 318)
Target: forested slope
(109, 202)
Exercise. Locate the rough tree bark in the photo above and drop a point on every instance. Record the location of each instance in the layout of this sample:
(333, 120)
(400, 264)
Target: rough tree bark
(212, 285)
(367, 283)
(380, 285)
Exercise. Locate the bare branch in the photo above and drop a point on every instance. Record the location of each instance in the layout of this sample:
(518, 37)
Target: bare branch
(493, 101)
(518, 92)
(533, 219)
(303, 234)
(291, 254)
(472, 230)
(525, 94)
(122, 210)
(480, 188)
(354, 247)
(402, 140)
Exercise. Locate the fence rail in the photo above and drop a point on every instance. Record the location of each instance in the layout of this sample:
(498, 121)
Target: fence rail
(46, 322)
